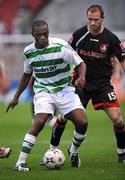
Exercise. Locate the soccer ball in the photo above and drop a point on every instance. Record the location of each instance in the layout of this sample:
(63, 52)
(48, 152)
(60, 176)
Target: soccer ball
(53, 159)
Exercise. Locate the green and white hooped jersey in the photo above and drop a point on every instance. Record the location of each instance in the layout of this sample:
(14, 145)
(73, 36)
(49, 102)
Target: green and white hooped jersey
(64, 43)
(50, 66)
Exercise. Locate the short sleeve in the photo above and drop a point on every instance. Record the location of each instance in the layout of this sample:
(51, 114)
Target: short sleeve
(27, 65)
(71, 57)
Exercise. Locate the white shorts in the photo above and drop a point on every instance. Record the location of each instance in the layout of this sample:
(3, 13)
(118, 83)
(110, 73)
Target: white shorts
(63, 102)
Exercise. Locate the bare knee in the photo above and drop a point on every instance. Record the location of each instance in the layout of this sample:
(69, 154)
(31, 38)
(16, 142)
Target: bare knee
(81, 124)
(81, 127)
(114, 114)
(117, 119)
(79, 119)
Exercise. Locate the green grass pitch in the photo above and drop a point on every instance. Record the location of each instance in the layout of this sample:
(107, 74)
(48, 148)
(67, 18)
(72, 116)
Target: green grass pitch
(98, 152)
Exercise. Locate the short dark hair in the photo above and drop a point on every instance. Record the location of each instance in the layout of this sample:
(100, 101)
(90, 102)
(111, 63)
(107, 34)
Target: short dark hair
(38, 23)
(94, 8)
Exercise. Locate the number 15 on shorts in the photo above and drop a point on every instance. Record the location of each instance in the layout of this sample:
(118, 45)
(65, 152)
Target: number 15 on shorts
(112, 96)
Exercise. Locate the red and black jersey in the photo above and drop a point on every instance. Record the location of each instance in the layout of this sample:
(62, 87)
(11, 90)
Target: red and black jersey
(96, 51)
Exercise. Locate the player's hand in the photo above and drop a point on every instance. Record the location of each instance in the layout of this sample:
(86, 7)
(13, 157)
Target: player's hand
(80, 82)
(12, 104)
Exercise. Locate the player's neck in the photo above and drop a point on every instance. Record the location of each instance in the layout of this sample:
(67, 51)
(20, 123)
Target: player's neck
(41, 47)
(99, 31)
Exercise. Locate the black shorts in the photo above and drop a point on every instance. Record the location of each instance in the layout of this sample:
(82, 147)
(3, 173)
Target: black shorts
(102, 97)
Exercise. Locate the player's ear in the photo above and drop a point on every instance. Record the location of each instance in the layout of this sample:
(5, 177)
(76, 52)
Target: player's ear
(32, 34)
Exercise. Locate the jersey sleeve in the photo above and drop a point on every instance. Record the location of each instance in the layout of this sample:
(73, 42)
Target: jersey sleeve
(71, 57)
(27, 66)
(118, 48)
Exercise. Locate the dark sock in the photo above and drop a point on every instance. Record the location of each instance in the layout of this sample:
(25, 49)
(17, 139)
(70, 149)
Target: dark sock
(120, 136)
(57, 132)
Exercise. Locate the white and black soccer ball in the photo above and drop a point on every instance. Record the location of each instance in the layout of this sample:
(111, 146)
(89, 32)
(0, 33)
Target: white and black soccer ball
(54, 158)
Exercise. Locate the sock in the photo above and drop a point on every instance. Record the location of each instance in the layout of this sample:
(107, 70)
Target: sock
(121, 152)
(77, 140)
(29, 141)
(120, 137)
(57, 132)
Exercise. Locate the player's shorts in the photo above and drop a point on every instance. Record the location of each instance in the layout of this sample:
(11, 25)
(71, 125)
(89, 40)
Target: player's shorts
(63, 102)
(102, 97)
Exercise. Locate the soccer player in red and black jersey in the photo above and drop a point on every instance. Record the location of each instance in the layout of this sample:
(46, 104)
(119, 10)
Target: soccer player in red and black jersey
(96, 45)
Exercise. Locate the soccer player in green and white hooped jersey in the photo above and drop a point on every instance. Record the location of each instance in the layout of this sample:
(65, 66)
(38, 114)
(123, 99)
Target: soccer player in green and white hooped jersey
(53, 91)
(55, 120)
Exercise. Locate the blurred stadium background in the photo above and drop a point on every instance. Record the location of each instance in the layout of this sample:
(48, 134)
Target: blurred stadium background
(63, 17)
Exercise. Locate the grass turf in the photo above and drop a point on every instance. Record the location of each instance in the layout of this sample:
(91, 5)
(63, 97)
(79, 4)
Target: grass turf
(98, 152)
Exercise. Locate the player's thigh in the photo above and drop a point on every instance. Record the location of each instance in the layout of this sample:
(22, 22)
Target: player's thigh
(77, 116)
(43, 103)
(68, 102)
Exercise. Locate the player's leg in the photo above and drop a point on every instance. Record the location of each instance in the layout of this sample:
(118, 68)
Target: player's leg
(79, 119)
(71, 108)
(119, 130)
(61, 122)
(106, 99)
(32, 111)
(57, 131)
(29, 141)
(41, 109)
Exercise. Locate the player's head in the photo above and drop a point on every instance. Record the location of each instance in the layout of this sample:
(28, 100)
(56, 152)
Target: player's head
(40, 32)
(95, 15)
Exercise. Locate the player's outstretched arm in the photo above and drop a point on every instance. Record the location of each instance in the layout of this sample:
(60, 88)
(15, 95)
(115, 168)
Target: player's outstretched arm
(22, 85)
